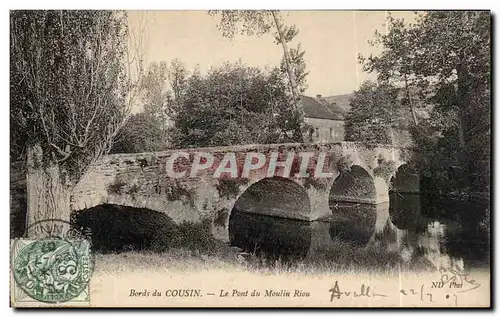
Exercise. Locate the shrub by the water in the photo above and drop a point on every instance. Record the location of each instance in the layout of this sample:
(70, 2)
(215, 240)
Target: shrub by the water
(195, 237)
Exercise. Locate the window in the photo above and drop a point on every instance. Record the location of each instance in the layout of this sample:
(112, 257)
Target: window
(331, 134)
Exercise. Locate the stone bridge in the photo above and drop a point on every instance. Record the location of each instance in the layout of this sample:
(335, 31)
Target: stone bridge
(356, 172)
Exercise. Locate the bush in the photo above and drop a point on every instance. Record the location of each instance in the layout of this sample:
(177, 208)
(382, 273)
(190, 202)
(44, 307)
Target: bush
(195, 237)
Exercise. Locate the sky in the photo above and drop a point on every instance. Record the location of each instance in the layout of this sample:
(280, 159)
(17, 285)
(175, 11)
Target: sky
(331, 39)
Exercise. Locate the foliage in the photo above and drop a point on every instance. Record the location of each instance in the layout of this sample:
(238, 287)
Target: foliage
(122, 185)
(232, 104)
(195, 236)
(259, 22)
(178, 192)
(393, 65)
(178, 79)
(445, 55)
(142, 133)
(371, 116)
(344, 163)
(221, 217)
(153, 90)
(69, 88)
(296, 59)
(146, 131)
(230, 188)
(438, 160)
(385, 169)
(117, 187)
(317, 183)
(247, 22)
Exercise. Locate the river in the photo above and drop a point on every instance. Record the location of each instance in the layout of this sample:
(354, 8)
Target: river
(435, 232)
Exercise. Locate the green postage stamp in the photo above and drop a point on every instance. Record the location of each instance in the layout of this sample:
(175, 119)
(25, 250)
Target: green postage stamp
(52, 270)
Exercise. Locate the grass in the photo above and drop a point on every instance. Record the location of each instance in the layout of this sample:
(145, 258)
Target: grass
(172, 260)
(340, 258)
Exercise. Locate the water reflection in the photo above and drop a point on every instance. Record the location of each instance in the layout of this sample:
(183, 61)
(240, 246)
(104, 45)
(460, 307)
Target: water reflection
(406, 212)
(419, 231)
(445, 232)
(271, 237)
(358, 224)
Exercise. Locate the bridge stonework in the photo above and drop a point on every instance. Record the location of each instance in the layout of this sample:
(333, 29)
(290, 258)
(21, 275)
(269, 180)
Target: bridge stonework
(140, 180)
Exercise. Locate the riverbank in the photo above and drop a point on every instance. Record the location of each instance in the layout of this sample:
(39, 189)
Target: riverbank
(131, 279)
(340, 258)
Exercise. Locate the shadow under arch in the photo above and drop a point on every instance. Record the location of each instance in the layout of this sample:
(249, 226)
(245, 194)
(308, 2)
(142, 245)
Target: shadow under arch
(115, 228)
(268, 220)
(355, 185)
(405, 180)
(277, 197)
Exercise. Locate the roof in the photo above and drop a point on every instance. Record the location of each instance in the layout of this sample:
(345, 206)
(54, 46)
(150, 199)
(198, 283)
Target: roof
(343, 101)
(316, 108)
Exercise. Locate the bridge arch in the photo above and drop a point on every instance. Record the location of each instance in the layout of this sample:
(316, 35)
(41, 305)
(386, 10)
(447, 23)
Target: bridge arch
(179, 209)
(275, 196)
(116, 228)
(268, 217)
(405, 180)
(359, 186)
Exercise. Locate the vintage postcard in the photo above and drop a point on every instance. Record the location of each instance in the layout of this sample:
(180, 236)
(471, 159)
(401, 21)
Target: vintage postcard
(250, 158)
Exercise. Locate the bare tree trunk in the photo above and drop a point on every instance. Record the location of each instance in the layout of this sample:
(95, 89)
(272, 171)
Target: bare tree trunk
(291, 76)
(410, 101)
(48, 193)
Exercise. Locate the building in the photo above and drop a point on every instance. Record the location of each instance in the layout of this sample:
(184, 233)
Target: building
(326, 116)
(326, 119)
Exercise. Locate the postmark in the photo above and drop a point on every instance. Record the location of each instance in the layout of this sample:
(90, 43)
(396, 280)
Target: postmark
(52, 266)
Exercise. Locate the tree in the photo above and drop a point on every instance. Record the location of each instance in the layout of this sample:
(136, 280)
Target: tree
(142, 133)
(177, 76)
(394, 64)
(146, 131)
(69, 92)
(259, 22)
(232, 104)
(299, 68)
(371, 117)
(447, 56)
(454, 49)
(178, 79)
(153, 91)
